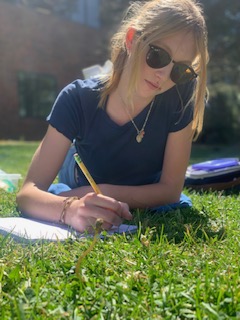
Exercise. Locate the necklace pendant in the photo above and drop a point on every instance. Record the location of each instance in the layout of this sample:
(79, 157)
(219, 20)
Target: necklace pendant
(140, 136)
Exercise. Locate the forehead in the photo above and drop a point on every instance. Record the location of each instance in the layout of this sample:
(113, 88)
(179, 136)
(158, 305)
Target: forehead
(181, 46)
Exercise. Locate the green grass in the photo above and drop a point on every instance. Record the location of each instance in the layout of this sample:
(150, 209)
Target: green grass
(15, 157)
(180, 265)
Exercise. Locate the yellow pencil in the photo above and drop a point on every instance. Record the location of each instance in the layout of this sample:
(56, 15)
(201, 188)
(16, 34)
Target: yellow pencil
(87, 174)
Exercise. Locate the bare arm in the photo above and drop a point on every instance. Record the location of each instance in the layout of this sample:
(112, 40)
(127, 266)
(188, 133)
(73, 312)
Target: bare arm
(34, 200)
(168, 189)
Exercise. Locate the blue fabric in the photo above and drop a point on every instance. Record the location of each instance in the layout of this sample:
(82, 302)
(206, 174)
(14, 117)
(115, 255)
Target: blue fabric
(110, 151)
(185, 202)
(57, 188)
(66, 174)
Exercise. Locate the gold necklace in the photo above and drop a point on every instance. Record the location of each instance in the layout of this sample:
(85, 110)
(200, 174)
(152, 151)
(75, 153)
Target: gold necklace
(140, 133)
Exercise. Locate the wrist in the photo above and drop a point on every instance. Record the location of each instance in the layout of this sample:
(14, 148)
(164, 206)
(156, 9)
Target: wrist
(66, 204)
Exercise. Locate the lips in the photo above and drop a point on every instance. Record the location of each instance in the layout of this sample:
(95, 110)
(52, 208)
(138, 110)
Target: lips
(152, 85)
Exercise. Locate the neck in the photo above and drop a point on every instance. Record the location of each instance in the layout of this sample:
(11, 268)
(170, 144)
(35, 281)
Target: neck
(135, 103)
(135, 106)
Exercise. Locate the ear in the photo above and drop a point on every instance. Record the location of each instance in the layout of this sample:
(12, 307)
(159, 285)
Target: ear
(129, 38)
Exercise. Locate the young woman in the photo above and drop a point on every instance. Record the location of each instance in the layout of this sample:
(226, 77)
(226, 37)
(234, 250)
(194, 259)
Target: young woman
(133, 128)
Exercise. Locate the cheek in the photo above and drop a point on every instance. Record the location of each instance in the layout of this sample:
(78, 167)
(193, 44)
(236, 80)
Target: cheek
(144, 68)
(143, 72)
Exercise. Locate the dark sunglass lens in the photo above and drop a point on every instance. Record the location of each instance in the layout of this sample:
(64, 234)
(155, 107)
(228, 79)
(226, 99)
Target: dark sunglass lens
(181, 73)
(157, 58)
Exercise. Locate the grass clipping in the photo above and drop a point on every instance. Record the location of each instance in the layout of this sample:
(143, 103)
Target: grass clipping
(98, 229)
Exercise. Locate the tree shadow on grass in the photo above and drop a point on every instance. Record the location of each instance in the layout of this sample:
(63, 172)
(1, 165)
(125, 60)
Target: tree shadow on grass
(176, 224)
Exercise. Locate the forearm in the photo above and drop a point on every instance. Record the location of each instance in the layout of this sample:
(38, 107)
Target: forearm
(145, 196)
(40, 204)
(81, 213)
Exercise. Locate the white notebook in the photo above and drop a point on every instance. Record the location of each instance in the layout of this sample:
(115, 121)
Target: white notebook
(22, 229)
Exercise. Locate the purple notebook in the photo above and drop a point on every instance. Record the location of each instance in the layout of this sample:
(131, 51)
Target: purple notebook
(216, 164)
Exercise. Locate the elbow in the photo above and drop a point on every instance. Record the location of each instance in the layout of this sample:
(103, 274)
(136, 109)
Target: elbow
(174, 194)
(176, 199)
(177, 194)
(22, 197)
(19, 199)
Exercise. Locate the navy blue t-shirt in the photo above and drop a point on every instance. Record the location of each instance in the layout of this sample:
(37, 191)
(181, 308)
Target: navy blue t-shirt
(110, 151)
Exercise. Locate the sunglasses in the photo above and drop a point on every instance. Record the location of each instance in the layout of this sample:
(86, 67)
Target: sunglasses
(158, 58)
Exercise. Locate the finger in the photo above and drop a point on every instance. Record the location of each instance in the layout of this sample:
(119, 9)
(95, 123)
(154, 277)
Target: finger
(124, 211)
(106, 226)
(92, 228)
(120, 208)
(96, 212)
(88, 208)
(109, 216)
(93, 225)
(89, 224)
(83, 224)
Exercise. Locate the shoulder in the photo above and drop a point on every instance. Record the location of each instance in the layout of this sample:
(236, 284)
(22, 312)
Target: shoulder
(176, 107)
(82, 91)
(74, 106)
(186, 90)
(83, 86)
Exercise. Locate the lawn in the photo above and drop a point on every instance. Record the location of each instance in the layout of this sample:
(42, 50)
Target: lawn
(180, 265)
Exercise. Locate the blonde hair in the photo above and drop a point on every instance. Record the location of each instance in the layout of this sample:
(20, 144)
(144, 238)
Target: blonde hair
(154, 20)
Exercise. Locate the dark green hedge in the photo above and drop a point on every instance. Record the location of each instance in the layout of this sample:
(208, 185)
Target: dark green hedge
(222, 115)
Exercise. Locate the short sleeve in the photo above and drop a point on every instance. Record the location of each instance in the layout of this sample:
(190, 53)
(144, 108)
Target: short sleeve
(66, 115)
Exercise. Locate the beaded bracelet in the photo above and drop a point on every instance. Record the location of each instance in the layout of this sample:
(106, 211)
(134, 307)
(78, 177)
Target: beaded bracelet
(67, 202)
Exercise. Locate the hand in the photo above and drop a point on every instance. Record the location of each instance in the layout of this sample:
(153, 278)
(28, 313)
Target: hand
(83, 213)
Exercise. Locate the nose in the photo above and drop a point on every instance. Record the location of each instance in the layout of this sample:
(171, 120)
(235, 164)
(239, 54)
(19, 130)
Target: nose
(163, 74)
